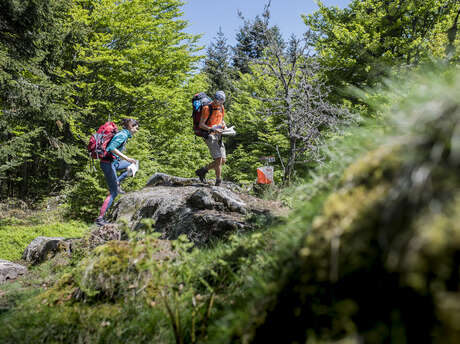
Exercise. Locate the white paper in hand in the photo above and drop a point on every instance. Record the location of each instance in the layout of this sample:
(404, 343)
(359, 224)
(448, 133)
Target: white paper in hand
(229, 131)
(133, 168)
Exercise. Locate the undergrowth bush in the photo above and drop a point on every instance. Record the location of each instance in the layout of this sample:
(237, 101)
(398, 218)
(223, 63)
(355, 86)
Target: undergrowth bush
(85, 196)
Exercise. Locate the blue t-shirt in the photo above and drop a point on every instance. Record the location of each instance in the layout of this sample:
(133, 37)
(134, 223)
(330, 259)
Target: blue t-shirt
(118, 141)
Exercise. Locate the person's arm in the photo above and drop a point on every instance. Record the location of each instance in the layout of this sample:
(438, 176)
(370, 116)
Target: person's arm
(224, 126)
(124, 157)
(203, 119)
(116, 142)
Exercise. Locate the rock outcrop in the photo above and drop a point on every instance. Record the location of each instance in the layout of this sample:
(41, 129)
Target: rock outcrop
(176, 206)
(42, 247)
(10, 271)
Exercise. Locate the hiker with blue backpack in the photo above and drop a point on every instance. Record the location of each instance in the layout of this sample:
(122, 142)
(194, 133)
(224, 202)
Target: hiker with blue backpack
(113, 160)
(210, 124)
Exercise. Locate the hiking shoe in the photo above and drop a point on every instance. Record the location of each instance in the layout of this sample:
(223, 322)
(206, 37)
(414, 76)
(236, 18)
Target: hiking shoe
(201, 173)
(101, 222)
(120, 190)
(218, 182)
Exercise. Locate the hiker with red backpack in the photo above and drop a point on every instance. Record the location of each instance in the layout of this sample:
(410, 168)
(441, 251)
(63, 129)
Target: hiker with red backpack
(114, 160)
(210, 126)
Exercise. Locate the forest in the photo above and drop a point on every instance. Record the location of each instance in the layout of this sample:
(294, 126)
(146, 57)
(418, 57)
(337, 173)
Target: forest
(361, 115)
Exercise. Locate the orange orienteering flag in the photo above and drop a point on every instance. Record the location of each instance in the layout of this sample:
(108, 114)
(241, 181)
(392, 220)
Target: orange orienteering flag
(265, 175)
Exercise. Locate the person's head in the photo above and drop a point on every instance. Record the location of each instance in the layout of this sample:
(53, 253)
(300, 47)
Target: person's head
(219, 97)
(131, 124)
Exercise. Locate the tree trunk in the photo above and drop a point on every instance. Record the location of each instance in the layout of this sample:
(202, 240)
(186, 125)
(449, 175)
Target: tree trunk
(25, 180)
(291, 161)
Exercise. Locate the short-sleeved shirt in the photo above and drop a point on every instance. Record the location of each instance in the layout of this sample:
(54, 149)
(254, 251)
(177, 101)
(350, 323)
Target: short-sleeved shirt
(218, 113)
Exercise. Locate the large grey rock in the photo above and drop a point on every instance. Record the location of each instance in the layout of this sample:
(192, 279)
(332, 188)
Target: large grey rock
(229, 199)
(10, 271)
(176, 206)
(167, 180)
(42, 247)
(164, 179)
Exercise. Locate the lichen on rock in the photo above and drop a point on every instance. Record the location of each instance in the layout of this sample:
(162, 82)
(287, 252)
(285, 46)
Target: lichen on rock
(10, 271)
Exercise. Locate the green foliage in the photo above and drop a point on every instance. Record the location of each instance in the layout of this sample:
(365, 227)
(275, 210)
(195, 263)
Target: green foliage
(95, 60)
(217, 68)
(144, 288)
(362, 43)
(16, 235)
(174, 145)
(136, 64)
(134, 60)
(258, 135)
(86, 194)
(35, 110)
(251, 42)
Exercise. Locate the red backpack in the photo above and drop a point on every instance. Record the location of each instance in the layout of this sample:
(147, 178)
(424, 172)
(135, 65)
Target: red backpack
(199, 101)
(100, 140)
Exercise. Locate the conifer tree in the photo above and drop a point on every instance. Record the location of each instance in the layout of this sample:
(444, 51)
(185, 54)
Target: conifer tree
(251, 41)
(217, 66)
(35, 110)
(66, 67)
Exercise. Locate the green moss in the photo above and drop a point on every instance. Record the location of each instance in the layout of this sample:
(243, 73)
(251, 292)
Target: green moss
(106, 270)
(15, 238)
(374, 167)
(429, 262)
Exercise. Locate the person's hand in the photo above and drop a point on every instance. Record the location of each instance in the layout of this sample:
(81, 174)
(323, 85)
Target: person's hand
(216, 129)
(132, 161)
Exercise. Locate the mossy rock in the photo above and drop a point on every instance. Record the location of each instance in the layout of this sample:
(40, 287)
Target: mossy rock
(382, 261)
(118, 269)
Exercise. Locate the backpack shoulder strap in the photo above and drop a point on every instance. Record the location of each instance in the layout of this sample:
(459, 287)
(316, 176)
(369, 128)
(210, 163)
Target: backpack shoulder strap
(210, 114)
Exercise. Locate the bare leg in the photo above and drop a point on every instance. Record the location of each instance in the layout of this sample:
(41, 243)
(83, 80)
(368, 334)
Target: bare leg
(219, 168)
(214, 165)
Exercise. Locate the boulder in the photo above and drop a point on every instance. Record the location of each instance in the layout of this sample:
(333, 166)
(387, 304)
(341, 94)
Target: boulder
(42, 247)
(10, 271)
(164, 179)
(202, 212)
(167, 180)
